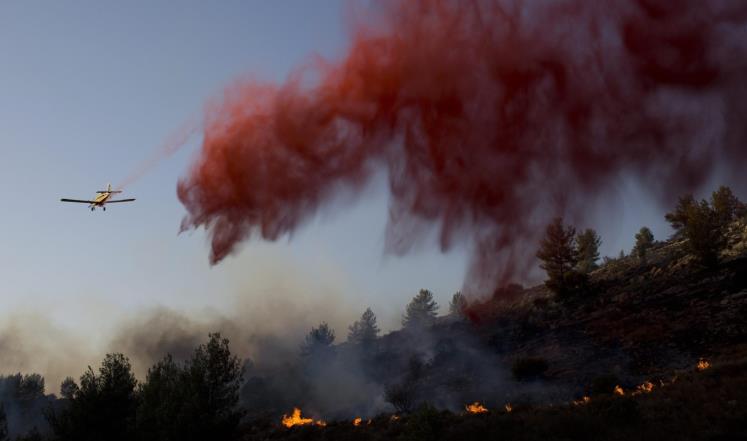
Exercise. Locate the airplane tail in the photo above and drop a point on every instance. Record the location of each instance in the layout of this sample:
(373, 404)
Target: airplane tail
(109, 190)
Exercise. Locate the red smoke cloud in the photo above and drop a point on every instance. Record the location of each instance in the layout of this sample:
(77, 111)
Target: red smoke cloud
(489, 117)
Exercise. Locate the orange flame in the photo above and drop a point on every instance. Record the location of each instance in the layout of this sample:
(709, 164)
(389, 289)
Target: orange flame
(476, 407)
(702, 365)
(393, 418)
(296, 420)
(584, 400)
(508, 407)
(644, 388)
(619, 390)
(357, 422)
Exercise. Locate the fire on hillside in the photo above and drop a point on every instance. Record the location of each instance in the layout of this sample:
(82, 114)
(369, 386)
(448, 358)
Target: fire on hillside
(476, 407)
(297, 420)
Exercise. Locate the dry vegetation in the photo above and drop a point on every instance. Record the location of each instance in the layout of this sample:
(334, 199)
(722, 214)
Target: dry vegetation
(654, 349)
(697, 405)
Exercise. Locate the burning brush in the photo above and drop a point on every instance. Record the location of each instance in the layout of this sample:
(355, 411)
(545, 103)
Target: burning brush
(644, 388)
(584, 400)
(297, 420)
(702, 365)
(476, 407)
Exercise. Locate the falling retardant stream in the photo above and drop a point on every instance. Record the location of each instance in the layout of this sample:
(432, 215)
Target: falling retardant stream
(170, 146)
(489, 117)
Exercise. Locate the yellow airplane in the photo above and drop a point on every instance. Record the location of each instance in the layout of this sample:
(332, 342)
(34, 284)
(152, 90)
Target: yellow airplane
(101, 199)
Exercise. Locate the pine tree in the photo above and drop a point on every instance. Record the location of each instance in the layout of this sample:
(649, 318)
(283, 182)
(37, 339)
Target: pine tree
(458, 304)
(559, 257)
(213, 378)
(68, 388)
(705, 225)
(421, 311)
(194, 401)
(587, 249)
(161, 399)
(705, 234)
(318, 341)
(678, 217)
(103, 407)
(364, 331)
(644, 240)
(726, 206)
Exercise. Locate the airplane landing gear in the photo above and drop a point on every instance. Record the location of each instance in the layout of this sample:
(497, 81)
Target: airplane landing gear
(103, 208)
(93, 208)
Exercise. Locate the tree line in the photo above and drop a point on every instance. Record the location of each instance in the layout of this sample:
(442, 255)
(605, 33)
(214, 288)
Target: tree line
(197, 399)
(568, 258)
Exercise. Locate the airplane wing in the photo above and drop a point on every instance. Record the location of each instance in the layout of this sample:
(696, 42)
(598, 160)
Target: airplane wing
(120, 200)
(78, 200)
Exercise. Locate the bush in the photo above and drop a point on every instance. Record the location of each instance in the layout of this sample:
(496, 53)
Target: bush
(401, 396)
(529, 368)
(426, 424)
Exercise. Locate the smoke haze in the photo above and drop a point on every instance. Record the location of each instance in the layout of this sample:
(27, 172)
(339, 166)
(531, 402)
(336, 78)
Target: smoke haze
(265, 311)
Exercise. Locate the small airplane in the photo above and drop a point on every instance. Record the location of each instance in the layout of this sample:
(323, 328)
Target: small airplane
(101, 199)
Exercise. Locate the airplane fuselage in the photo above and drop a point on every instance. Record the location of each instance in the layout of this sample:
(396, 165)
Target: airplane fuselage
(101, 199)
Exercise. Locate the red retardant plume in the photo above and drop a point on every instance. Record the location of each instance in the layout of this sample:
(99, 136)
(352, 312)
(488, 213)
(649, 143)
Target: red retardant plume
(489, 117)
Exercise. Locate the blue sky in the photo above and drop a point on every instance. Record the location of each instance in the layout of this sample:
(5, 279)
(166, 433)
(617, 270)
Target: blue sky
(89, 89)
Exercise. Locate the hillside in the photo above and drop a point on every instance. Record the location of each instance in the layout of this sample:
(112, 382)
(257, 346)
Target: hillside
(652, 348)
(704, 405)
(668, 333)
